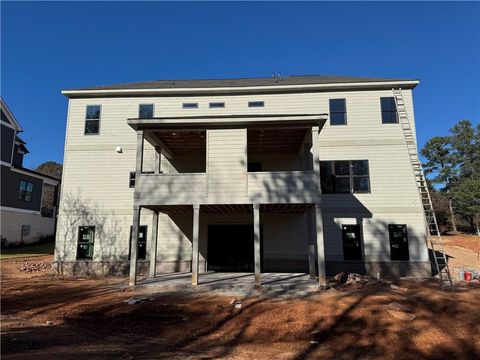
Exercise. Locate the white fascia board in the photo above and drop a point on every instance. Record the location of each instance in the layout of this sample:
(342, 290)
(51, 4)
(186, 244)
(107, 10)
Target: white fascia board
(253, 89)
(16, 124)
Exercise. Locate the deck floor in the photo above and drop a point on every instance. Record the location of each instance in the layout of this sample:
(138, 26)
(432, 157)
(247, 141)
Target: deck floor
(228, 280)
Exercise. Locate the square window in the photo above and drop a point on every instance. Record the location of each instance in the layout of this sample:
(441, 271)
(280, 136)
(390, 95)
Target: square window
(360, 167)
(342, 185)
(342, 168)
(216, 105)
(145, 111)
(93, 112)
(92, 126)
(360, 184)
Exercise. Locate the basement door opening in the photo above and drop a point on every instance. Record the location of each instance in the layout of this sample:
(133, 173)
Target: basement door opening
(230, 248)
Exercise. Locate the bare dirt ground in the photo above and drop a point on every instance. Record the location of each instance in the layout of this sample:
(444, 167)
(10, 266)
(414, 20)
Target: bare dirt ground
(48, 317)
(462, 251)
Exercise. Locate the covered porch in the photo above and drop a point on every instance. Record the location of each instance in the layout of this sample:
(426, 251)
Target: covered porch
(249, 223)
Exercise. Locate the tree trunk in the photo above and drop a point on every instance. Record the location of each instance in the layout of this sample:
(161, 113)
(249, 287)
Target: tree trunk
(452, 214)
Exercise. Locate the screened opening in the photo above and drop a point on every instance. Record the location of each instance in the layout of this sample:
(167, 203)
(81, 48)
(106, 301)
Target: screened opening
(278, 150)
(187, 151)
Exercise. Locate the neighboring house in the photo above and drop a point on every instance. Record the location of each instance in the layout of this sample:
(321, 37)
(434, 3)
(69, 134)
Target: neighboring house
(24, 219)
(271, 174)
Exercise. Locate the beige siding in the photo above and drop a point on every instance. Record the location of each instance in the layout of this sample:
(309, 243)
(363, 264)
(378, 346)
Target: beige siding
(95, 180)
(226, 163)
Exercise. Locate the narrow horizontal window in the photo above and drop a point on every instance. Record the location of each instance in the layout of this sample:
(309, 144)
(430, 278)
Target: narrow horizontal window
(145, 111)
(190, 105)
(256, 104)
(389, 110)
(92, 119)
(216, 105)
(338, 112)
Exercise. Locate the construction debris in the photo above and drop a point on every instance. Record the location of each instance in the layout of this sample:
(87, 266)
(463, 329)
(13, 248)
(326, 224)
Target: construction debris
(134, 300)
(395, 287)
(359, 279)
(341, 278)
(238, 304)
(400, 315)
(30, 267)
(398, 307)
(399, 311)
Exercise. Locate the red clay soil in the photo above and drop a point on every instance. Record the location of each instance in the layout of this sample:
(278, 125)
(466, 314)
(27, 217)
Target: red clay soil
(466, 241)
(47, 317)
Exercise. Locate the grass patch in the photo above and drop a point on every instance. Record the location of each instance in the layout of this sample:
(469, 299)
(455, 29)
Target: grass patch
(28, 251)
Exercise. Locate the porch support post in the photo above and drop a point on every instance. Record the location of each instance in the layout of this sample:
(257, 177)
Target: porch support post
(153, 246)
(320, 245)
(136, 211)
(311, 245)
(316, 159)
(256, 242)
(195, 255)
(158, 153)
(134, 245)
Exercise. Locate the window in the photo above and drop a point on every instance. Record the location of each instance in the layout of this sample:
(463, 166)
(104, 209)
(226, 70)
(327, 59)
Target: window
(190, 105)
(25, 191)
(25, 230)
(398, 242)
(216, 105)
(256, 104)
(345, 177)
(352, 247)
(131, 180)
(338, 112)
(92, 120)
(145, 111)
(254, 166)
(86, 237)
(141, 243)
(389, 110)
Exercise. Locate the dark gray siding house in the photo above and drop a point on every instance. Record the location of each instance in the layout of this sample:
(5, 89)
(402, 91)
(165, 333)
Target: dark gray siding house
(23, 218)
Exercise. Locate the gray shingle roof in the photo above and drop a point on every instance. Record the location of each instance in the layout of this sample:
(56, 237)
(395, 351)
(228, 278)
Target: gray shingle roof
(242, 82)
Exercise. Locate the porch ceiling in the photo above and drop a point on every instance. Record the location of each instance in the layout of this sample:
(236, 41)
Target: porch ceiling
(275, 141)
(233, 208)
(184, 142)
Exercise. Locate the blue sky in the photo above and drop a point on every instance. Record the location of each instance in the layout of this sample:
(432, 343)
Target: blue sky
(47, 47)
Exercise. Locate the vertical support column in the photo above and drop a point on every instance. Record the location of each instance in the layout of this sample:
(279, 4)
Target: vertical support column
(256, 242)
(320, 245)
(195, 255)
(311, 245)
(136, 212)
(316, 159)
(158, 153)
(153, 246)
(134, 245)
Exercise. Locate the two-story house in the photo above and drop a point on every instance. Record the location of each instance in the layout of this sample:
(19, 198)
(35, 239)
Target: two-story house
(25, 215)
(301, 173)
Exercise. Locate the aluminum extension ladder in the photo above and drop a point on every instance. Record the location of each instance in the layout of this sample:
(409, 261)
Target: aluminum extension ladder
(433, 234)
